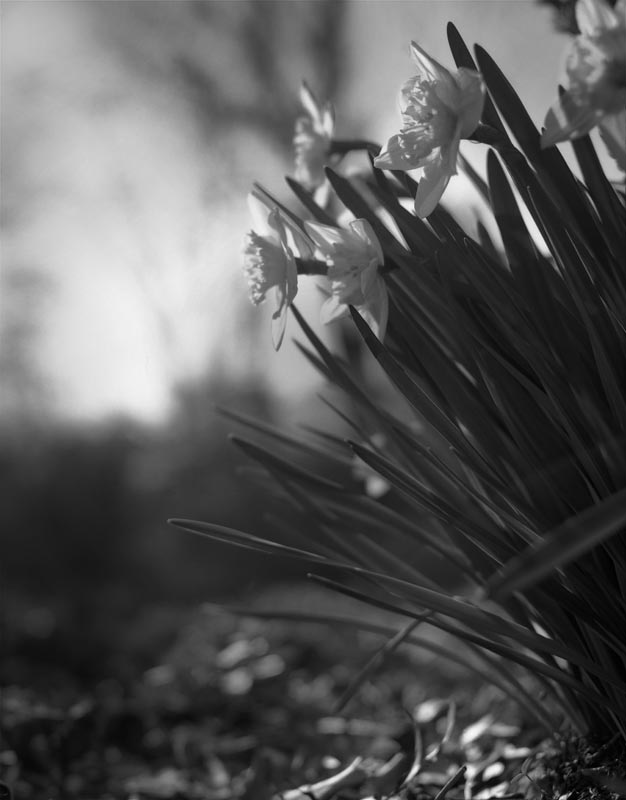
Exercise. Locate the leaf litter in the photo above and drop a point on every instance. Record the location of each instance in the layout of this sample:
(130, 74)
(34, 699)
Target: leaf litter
(247, 708)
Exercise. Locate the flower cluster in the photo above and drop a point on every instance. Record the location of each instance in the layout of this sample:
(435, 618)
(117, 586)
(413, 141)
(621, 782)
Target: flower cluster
(439, 108)
(491, 438)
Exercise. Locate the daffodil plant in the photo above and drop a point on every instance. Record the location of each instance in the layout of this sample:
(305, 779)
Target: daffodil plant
(507, 461)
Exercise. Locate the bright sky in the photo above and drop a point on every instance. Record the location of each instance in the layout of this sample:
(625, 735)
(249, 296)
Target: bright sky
(108, 175)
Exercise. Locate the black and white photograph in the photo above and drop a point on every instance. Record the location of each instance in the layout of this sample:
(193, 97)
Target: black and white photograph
(313, 400)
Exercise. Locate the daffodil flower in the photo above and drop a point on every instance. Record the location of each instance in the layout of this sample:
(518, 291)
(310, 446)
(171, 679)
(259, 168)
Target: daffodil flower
(353, 257)
(595, 76)
(312, 140)
(270, 260)
(439, 109)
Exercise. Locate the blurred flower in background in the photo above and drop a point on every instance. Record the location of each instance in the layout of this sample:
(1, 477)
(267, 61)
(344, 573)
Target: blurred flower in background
(595, 75)
(312, 140)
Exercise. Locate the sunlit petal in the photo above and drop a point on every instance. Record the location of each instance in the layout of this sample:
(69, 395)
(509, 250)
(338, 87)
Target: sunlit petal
(279, 324)
(308, 101)
(363, 229)
(430, 188)
(312, 140)
(268, 261)
(567, 119)
(353, 257)
(369, 277)
(259, 210)
(429, 69)
(333, 309)
(324, 236)
(472, 90)
(595, 16)
(376, 310)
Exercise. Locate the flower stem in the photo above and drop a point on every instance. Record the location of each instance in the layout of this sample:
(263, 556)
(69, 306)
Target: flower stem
(310, 266)
(343, 146)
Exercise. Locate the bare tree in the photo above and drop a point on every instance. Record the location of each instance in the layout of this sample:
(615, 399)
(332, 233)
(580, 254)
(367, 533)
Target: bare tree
(24, 391)
(237, 68)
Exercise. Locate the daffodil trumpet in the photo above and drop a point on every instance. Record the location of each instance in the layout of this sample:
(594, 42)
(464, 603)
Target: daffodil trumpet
(269, 259)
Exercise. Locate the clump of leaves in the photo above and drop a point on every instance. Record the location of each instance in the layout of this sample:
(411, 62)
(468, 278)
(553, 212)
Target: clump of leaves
(510, 464)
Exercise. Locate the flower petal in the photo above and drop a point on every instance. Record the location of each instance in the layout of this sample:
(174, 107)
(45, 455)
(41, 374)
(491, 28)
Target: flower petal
(309, 102)
(595, 16)
(332, 310)
(613, 133)
(369, 277)
(279, 323)
(431, 70)
(327, 120)
(324, 236)
(365, 232)
(432, 185)
(260, 212)
(376, 310)
(472, 90)
(568, 119)
(298, 242)
(291, 277)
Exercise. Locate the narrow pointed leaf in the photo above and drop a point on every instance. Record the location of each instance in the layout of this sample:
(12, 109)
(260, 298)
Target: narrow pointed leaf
(559, 547)
(463, 58)
(292, 471)
(309, 203)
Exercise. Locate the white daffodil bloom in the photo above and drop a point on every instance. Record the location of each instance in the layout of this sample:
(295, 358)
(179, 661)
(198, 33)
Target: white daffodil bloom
(312, 139)
(595, 77)
(439, 109)
(269, 260)
(353, 257)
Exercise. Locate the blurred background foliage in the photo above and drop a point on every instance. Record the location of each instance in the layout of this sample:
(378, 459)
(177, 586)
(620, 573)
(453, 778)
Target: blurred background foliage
(131, 133)
(564, 14)
(92, 575)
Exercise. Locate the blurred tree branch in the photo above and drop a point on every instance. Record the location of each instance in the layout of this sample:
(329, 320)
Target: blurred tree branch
(24, 397)
(318, 28)
(237, 67)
